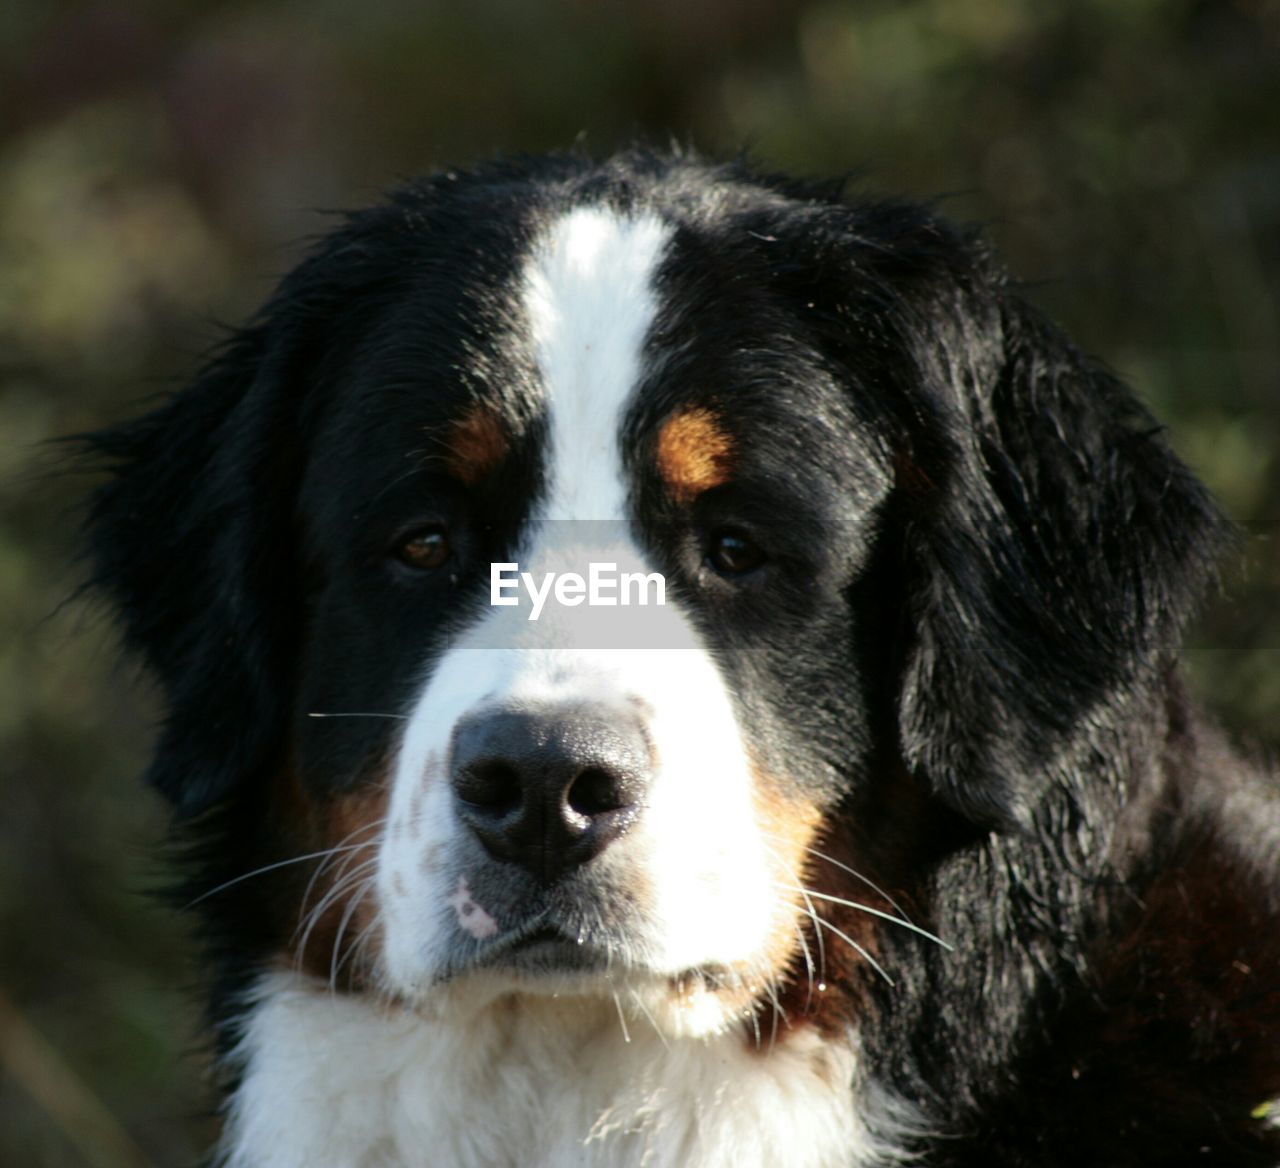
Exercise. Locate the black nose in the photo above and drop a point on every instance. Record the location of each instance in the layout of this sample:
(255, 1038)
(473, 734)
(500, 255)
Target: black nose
(551, 788)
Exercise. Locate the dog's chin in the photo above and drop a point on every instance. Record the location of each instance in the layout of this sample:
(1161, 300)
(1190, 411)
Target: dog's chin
(546, 967)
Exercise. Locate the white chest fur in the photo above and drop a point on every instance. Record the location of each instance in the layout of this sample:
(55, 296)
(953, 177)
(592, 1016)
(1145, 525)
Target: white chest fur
(529, 1082)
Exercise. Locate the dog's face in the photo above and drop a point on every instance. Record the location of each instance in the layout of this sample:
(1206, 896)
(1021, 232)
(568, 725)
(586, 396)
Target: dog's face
(606, 795)
(900, 530)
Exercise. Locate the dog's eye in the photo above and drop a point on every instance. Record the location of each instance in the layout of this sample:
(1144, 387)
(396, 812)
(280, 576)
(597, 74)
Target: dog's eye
(733, 554)
(424, 550)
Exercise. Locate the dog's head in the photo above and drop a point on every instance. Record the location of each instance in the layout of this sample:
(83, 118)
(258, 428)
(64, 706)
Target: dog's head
(915, 555)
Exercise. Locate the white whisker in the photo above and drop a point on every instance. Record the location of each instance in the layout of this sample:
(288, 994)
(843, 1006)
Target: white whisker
(359, 714)
(854, 873)
(375, 825)
(340, 887)
(822, 948)
(639, 1001)
(771, 992)
(804, 945)
(622, 1021)
(328, 852)
(875, 912)
(849, 940)
(808, 964)
(859, 876)
(356, 950)
(353, 905)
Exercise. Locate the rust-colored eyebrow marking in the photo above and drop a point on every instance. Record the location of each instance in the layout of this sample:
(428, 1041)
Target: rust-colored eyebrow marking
(695, 453)
(477, 442)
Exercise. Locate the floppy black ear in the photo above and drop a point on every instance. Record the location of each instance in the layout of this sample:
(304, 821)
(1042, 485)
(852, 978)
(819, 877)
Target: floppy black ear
(1057, 553)
(193, 536)
(189, 540)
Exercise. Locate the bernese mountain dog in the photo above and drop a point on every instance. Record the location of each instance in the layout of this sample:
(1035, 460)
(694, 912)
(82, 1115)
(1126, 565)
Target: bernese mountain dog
(670, 666)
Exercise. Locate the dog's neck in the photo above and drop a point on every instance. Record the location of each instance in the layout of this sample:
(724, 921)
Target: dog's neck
(535, 1081)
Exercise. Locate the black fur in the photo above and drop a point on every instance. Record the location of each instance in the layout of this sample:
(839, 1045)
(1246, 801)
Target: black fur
(998, 554)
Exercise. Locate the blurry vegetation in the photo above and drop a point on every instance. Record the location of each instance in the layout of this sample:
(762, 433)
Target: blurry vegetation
(161, 160)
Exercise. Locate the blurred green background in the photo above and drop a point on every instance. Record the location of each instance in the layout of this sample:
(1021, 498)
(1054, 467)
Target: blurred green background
(161, 162)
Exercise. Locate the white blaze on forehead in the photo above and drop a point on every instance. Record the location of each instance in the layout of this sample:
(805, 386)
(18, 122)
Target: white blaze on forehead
(590, 302)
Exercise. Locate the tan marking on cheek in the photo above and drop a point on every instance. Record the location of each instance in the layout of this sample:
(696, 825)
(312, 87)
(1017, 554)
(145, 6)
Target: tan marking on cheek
(789, 826)
(339, 935)
(477, 444)
(695, 453)
(357, 816)
(819, 979)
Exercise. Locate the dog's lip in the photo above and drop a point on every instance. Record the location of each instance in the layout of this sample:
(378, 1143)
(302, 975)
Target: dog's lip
(542, 948)
(542, 935)
(549, 940)
(538, 947)
(546, 948)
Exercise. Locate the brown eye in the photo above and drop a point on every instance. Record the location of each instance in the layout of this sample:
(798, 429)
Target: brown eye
(732, 554)
(424, 550)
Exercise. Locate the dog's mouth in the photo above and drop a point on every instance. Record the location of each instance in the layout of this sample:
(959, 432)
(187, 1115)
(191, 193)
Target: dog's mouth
(546, 948)
(546, 953)
(557, 941)
(539, 948)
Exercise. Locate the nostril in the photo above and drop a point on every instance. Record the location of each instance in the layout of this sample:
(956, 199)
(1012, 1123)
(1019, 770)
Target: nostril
(596, 791)
(548, 789)
(491, 785)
